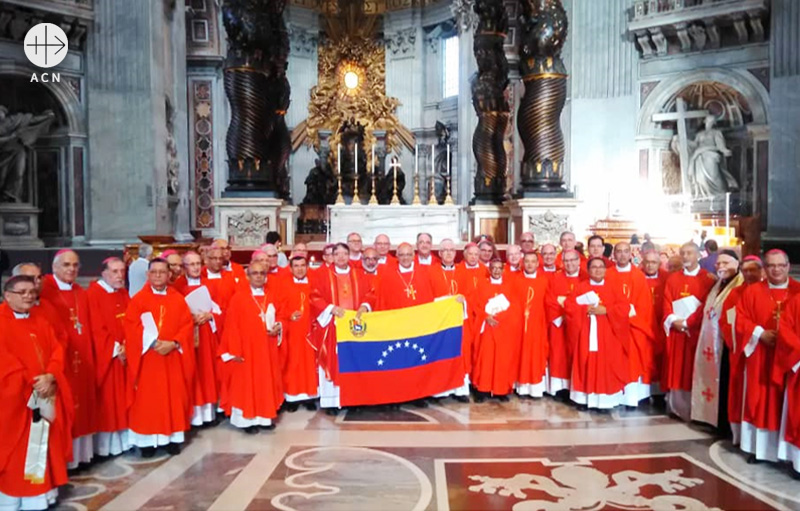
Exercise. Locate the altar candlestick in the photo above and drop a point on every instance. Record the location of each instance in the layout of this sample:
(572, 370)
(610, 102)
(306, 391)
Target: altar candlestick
(448, 184)
(373, 199)
(339, 196)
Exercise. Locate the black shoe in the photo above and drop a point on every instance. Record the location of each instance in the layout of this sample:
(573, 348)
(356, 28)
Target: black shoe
(173, 449)
(311, 406)
(502, 399)
(752, 460)
(794, 473)
(267, 428)
(252, 430)
(582, 408)
(420, 403)
(480, 397)
(332, 411)
(562, 395)
(291, 407)
(148, 452)
(461, 399)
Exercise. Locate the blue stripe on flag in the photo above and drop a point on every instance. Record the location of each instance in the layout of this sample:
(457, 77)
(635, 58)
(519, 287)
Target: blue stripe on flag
(356, 357)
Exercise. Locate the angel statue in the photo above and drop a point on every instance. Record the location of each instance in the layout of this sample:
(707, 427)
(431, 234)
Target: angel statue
(707, 171)
(18, 132)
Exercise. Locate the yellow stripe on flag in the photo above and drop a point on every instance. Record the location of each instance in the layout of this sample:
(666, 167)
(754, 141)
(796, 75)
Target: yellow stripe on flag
(406, 323)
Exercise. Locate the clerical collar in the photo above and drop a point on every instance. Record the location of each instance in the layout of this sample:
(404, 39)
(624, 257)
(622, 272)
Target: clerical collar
(105, 286)
(624, 269)
(472, 266)
(371, 272)
(382, 260)
(357, 258)
(304, 280)
(784, 285)
(341, 271)
(593, 283)
(496, 281)
(21, 315)
(273, 270)
(228, 267)
(213, 276)
(192, 282)
(452, 267)
(691, 273)
(425, 260)
(257, 291)
(651, 276)
(529, 275)
(572, 275)
(405, 270)
(511, 268)
(63, 286)
(163, 292)
(552, 269)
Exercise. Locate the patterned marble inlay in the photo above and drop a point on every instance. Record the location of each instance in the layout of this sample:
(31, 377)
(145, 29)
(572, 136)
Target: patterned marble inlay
(203, 136)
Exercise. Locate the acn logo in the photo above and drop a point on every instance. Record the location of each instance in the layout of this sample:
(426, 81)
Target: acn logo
(46, 45)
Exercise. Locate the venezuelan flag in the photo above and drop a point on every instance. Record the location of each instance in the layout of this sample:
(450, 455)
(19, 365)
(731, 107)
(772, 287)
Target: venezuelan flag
(400, 355)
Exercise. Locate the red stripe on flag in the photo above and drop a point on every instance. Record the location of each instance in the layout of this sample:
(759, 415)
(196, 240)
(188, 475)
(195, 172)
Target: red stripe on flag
(401, 385)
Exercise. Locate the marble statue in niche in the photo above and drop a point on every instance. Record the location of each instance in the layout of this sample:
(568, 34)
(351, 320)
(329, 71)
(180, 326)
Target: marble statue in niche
(18, 132)
(707, 170)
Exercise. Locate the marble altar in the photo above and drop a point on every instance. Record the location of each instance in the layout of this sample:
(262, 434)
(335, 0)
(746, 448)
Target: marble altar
(400, 223)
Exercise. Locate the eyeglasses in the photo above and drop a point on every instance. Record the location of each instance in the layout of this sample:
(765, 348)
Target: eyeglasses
(29, 292)
(776, 266)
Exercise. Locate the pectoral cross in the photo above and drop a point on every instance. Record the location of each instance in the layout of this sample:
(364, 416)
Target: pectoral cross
(76, 324)
(302, 302)
(777, 313)
(626, 291)
(411, 292)
(685, 291)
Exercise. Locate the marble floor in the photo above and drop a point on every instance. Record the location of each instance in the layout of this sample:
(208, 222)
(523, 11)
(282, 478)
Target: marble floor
(521, 455)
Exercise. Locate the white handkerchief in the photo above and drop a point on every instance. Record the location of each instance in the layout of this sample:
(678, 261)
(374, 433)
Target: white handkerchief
(149, 332)
(497, 305)
(270, 317)
(685, 307)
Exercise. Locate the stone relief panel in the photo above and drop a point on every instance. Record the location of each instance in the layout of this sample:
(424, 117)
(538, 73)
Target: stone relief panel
(247, 229)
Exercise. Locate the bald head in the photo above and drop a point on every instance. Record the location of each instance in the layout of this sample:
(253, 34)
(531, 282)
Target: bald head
(514, 255)
(405, 255)
(447, 252)
(29, 270)
(214, 259)
(257, 274)
(690, 256)
(382, 244)
(369, 259)
(192, 265)
(622, 254)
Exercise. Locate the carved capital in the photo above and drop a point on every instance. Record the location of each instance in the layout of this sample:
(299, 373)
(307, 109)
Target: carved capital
(402, 43)
(463, 11)
(303, 43)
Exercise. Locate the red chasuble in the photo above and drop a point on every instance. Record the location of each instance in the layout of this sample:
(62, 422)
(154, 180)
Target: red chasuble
(560, 354)
(397, 290)
(733, 340)
(599, 369)
(434, 261)
(656, 286)
(298, 358)
(447, 280)
(237, 271)
(497, 348)
(681, 346)
(787, 368)
(108, 334)
(368, 277)
(73, 318)
(328, 288)
(160, 387)
(206, 343)
(633, 286)
(535, 346)
(761, 308)
(28, 348)
(255, 384)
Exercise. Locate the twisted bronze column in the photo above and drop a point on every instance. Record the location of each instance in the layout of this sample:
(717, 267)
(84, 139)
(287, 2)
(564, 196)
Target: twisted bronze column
(543, 34)
(257, 141)
(490, 101)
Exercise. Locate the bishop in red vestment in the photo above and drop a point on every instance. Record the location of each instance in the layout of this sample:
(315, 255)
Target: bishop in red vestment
(560, 287)
(599, 331)
(535, 347)
(786, 371)
(235, 269)
(367, 266)
(568, 242)
(547, 260)
(498, 337)
(753, 272)
(298, 358)
(684, 296)
(208, 319)
(407, 285)
(758, 316)
(382, 245)
(631, 282)
(251, 337)
(425, 256)
(161, 368)
(70, 301)
(31, 361)
(334, 290)
(656, 281)
(108, 301)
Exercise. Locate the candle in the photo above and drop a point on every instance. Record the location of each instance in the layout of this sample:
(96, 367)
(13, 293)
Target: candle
(373, 159)
(433, 159)
(416, 159)
(339, 159)
(356, 172)
(448, 161)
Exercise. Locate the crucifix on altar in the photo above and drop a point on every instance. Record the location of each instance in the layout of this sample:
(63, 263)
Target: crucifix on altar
(681, 116)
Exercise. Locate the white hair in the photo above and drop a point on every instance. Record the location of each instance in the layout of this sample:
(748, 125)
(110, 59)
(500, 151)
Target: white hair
(145, 250)
(17, 270)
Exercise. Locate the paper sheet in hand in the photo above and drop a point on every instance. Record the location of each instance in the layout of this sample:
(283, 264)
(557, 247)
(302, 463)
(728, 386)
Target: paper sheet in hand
(497, 305)
(200, 300)
(589, 298)
(270, 319)
(685, 307)
(592, 300)
(149, 332)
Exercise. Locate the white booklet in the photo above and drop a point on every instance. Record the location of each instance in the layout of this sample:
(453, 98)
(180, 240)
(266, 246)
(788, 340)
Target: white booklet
(497, 305)
(686, 306)
(149, 332)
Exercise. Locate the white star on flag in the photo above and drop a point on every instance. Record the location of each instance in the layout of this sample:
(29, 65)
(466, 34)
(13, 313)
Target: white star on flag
(384, 353)
(398, 344)
(422, 350)
(407, 343)
(414, 346)
(380, 362)
(424, 357)
(391, 349)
